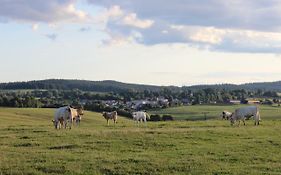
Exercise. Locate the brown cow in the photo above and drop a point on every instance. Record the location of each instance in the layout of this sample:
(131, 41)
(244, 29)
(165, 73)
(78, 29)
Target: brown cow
(110, 116)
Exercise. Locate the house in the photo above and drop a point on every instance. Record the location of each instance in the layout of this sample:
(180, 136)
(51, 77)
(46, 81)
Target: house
(235, 101)
(254, 102)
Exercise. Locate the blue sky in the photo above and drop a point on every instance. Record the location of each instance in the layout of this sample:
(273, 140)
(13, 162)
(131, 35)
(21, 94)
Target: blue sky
(179, 42)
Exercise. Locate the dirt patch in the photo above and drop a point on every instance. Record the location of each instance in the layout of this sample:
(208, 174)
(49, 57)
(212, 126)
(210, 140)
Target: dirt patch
(64, 147)
(26, 145)
(52, 170)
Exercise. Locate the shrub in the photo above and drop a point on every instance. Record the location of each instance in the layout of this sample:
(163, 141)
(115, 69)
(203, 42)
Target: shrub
(124, 113)
(155, 117)
(167, 118)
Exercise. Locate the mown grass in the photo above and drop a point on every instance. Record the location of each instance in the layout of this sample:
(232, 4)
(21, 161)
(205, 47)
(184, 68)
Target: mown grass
(30, 145)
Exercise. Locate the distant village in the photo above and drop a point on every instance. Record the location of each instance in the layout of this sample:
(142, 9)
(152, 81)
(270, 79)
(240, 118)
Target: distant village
(162, 103)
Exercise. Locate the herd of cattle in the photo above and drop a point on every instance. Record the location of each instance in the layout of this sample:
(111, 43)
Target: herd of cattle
(67, 116)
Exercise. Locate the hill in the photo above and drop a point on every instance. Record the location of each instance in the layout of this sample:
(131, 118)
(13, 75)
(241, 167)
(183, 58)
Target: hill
(266, 86)
(84, 85)
(115, 86)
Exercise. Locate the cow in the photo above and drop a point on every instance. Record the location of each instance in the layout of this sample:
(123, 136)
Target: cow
(140, 116)
(76, 114)
(226, 115)
(64, 116)
(110, 116)
(245, 113)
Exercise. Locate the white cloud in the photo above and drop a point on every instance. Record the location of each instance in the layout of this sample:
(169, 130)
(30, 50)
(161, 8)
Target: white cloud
(229, 26)
(51, 11)
(115, 14)
(35, 27)
(208, 35)
(52, 36)
(132, 20)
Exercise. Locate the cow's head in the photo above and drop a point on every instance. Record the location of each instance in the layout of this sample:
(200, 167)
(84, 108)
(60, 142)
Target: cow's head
(80, 111)
(223, 115)
(55, 123)
(78, 119)
(68, 109)
(134, 114)
(104, 114)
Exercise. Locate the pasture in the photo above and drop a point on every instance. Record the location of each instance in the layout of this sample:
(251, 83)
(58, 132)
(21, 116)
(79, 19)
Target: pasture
(196, 112)
(29, 144)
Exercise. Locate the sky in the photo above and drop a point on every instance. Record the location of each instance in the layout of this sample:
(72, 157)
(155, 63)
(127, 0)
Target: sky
(179, 42)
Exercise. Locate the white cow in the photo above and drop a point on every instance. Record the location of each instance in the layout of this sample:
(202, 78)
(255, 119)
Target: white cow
(245, 113)
(226, 115)
(140, 116)
(64, 116)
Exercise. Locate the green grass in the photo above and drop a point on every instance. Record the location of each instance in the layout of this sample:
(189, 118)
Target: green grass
(30, 145)
(214, 111)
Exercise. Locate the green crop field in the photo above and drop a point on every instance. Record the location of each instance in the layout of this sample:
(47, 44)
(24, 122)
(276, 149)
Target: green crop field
(29, 144)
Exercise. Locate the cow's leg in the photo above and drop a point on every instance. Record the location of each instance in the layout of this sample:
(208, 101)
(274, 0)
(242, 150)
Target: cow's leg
(244, 122)
(56, 125)
(65, 124)
(107, 122)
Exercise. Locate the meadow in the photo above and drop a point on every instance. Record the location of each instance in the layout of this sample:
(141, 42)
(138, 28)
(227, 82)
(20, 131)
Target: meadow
(29, 144)
(196, 112)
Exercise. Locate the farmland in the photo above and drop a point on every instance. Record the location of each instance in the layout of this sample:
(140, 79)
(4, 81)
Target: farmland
(30, 145)
(213, 111)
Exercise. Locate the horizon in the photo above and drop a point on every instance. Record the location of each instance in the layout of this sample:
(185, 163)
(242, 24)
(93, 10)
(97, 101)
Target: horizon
(141, 42)
(141, 83)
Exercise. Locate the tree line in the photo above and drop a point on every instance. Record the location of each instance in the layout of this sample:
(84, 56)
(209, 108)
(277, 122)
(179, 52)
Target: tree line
(56, 98)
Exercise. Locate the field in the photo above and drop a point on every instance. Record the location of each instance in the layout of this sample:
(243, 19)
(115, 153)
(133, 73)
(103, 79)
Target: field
(213, 111)
(30, 145)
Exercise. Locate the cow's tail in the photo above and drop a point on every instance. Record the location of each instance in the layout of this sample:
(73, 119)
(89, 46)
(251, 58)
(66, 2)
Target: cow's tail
(147, 115)
(258, 118)
(258, 115)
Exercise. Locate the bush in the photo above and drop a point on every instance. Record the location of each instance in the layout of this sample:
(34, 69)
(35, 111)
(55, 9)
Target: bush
(155, 117)
(124, 113)
(167, 118)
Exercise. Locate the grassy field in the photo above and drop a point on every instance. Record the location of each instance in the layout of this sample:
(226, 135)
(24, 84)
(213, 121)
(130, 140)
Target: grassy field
(196, 112)
(30, 145)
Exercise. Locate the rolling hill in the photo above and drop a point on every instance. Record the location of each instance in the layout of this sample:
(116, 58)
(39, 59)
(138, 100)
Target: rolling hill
(115, 86)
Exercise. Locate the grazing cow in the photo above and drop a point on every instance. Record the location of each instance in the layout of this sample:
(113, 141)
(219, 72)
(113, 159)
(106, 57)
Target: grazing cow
(140, 116)
(76, 115)
(64, 116)
(245, 113)
(226, 115)
(110, 116)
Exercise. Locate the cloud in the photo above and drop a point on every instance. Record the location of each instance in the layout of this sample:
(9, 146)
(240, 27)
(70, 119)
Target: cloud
(35, 27)
(52, 36)
(219, 25)
(50, 11)
(85, 29)
(250, 15)
(132, 20)
(116, 15)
